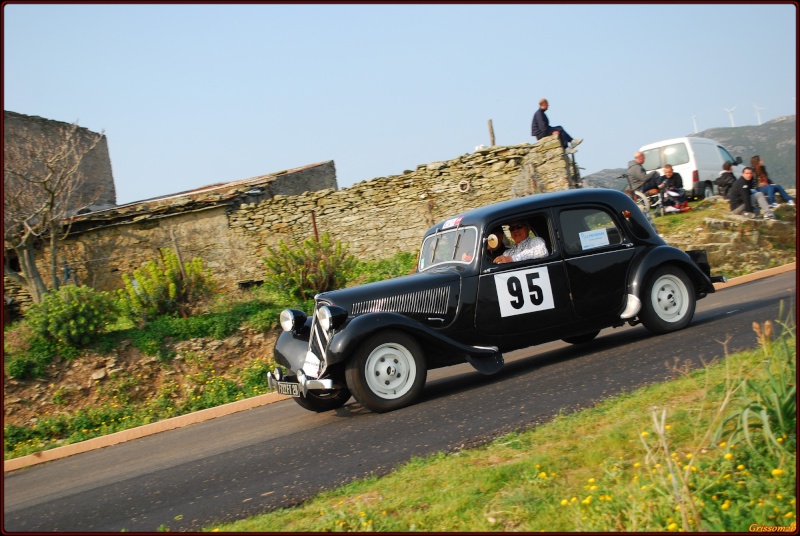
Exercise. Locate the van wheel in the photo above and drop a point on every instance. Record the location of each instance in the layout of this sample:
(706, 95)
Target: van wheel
(668, 301)
(387, 371)
(708, 191)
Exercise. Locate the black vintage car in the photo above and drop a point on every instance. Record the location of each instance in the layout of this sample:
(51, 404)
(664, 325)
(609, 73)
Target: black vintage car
(603, 266)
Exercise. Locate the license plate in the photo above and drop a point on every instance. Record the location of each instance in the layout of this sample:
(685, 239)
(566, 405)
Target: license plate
(290, 389)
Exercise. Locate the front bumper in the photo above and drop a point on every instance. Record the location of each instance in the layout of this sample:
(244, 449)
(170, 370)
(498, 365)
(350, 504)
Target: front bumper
(276, 381)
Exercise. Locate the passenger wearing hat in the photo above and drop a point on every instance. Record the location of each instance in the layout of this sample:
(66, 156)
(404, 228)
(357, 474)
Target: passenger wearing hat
(526, 246)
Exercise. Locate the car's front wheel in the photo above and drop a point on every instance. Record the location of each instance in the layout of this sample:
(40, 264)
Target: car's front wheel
(316, 400)
(668, 301)
(387, 371)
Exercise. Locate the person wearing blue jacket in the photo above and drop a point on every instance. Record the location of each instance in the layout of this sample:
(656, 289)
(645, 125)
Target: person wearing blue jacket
(541, 128)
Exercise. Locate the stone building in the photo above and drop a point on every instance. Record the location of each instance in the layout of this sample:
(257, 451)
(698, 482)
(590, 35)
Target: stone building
(230, 225)
(27, 141)
(24, 135)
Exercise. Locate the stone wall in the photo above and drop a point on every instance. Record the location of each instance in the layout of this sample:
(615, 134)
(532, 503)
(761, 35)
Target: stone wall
(378, 217)
(385, 215)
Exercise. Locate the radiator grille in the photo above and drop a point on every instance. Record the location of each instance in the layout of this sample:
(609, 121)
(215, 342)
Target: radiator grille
(433, 301)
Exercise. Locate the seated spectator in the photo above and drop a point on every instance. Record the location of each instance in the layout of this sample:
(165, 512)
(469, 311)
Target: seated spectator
(526, 246)
(641, 179)
(540, 127)
(746, 200)
(674, 196)
(725, 180)
(765, 184)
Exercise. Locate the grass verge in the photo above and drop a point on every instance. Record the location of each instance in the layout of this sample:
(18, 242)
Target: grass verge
(712, 450)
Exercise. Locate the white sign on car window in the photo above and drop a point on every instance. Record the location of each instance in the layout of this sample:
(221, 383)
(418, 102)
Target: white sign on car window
(593, 239)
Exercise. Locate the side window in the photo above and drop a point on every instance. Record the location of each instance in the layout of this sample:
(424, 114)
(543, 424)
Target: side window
(539, 234)
(588, 228)
(676, 154)
(726, 156)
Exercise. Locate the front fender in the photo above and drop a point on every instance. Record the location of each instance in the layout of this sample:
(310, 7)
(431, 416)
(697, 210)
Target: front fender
(660, 255)
(291, 348)
(345, 341)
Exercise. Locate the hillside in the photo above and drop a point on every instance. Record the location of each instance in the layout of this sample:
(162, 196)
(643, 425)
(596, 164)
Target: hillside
(127, 376)
(775, 141)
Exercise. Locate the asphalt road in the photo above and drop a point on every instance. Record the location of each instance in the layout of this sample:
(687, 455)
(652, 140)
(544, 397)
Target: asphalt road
(280, 454)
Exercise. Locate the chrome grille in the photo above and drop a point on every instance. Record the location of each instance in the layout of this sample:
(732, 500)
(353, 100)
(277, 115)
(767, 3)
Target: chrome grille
(433, 301)
(318, 341)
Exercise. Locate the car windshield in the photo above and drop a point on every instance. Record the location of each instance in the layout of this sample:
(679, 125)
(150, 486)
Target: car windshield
(451, 246)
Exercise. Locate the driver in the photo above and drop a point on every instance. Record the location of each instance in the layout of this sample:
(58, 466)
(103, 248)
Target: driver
(526, 246)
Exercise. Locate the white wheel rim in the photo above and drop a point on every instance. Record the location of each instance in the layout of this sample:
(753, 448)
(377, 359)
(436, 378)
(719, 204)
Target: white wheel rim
(390, 370)
(670, 298)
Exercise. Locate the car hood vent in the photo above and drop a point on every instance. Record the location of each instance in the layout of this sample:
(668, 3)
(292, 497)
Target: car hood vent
(433, 301)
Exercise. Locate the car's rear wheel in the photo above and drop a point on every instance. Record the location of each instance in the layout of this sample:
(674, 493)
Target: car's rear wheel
(582, 339)
(668, 302)
(387, 371)
(316, 400)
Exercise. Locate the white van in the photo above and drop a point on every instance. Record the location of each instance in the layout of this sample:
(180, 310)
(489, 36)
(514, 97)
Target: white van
(697, 160)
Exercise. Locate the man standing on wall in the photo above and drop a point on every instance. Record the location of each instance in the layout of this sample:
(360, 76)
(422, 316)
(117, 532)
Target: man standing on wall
(541, 128)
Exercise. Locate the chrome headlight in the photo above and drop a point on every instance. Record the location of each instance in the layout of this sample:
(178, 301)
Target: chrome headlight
(331, 317)
(292, 319)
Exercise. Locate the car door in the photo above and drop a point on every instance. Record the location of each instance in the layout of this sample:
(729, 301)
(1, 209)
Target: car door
(597, 256)
(520, 303)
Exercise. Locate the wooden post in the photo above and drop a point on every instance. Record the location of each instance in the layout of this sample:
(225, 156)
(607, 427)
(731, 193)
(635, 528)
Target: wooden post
(177, 252)
(314, 223)
(491, 133)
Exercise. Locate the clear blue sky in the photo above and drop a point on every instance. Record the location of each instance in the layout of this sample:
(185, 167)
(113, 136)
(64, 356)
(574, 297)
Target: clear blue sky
(191, 95)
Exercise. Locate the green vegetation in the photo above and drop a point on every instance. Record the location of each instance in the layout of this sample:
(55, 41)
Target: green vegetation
(203, 390)
(28, 355)
(714, 451)
(168, 288)
(306, 268)
(64, 322)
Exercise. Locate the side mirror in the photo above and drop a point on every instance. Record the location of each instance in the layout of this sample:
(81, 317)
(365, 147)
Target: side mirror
(738, 160)
(492, 240)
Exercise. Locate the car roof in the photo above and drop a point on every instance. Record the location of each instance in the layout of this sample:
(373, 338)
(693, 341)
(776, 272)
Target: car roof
(509, 209)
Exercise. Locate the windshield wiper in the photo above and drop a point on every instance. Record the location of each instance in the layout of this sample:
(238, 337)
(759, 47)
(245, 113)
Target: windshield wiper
(455, 249)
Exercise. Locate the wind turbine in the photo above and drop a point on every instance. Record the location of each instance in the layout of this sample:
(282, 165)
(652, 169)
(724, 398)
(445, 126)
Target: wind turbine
(694, 123)
(730, 113)
(758, 112)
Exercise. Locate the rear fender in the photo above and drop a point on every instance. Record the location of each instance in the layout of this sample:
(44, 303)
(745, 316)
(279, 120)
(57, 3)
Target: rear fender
(661, 255)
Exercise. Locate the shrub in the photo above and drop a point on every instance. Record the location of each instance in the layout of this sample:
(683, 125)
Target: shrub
(169, 288)
(402, 263)
(308, 268)
(32, 363)
(72, 316)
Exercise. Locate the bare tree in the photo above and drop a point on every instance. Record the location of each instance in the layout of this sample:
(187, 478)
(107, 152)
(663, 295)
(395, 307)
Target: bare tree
(43, 187)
